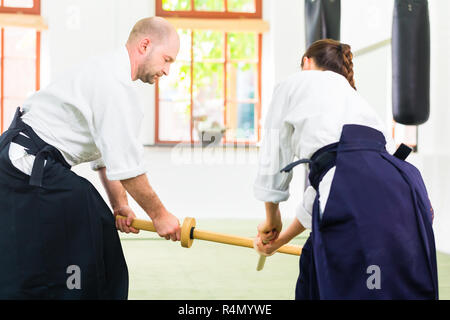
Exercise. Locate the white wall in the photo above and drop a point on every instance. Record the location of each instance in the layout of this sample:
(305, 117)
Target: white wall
(80, 28)
(364, 23)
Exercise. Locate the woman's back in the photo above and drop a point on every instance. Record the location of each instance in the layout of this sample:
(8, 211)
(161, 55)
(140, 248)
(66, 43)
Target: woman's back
(317, 105)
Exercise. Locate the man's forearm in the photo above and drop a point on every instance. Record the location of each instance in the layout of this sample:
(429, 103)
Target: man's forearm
(116, 192)
(141, 191)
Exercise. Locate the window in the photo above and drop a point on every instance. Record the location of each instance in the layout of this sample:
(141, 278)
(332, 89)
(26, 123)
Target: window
(214, 86)
(222, 9)
(19, 60)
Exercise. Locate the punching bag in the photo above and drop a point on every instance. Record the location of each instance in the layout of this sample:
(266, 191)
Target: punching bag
(323, 20)
(411, 62)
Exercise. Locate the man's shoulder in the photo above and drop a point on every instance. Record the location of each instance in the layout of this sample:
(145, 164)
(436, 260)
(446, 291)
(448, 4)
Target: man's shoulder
(116, 65)
(98, 65)
(108, 70)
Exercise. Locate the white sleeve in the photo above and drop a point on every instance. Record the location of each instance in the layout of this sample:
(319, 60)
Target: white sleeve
(305, 208)
(275, 152)
(117, 119)
(97, 164)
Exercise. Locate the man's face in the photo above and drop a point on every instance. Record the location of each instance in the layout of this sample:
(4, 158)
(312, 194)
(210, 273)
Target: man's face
(158, 60)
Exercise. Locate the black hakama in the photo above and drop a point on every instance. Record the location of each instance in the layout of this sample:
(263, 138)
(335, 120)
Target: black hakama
(58, 238)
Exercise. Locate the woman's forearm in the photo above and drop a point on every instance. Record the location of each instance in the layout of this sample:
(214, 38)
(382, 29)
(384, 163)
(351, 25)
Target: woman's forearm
(294, 229)
(272, 211)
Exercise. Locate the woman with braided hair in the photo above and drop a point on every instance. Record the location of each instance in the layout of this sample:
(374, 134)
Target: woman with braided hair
(368, 210)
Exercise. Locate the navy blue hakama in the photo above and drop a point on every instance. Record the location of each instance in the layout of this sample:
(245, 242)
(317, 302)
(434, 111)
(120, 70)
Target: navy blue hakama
(58, 238)
(374, 239)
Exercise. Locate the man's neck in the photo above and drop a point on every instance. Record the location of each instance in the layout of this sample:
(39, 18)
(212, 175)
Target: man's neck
(133, 63)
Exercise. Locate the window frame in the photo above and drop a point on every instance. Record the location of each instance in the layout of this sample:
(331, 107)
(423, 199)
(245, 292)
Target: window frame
(258, 105)
(210, 14)
(36, 10)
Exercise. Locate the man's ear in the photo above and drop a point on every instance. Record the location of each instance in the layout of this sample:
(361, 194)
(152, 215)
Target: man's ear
(144, 45)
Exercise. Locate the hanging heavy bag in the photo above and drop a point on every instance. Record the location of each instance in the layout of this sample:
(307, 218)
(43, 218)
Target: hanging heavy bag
(322, 19)
(411, 62)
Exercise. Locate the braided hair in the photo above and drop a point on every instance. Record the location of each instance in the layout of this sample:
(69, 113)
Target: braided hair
(332, 55)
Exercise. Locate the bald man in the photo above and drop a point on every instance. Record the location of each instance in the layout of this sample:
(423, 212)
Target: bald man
(58, 238)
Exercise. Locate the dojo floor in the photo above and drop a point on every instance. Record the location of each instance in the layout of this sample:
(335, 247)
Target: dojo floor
(162, 270)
